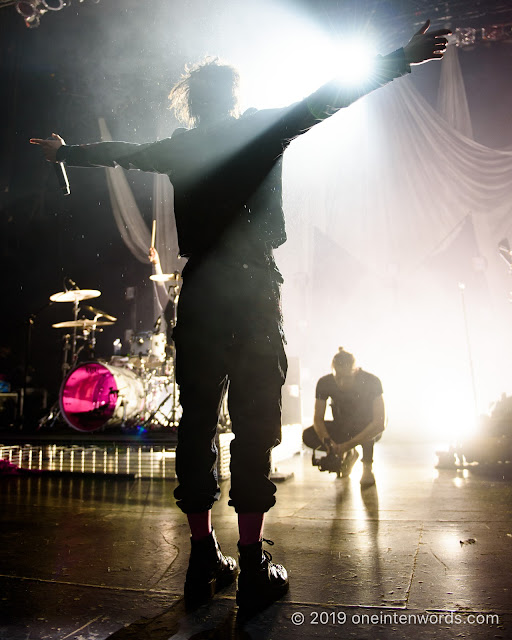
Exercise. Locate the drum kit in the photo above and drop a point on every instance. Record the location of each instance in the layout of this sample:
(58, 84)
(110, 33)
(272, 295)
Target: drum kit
(132, 390)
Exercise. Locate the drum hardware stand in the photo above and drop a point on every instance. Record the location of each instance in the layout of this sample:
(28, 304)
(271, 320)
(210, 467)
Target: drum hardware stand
(159, 417)
(65, 364)
(169, 313)
(92, 341)
(122, 404)
(174, 392)
(76, 309)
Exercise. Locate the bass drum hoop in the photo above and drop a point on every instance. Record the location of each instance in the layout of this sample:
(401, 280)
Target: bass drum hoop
(95, 395)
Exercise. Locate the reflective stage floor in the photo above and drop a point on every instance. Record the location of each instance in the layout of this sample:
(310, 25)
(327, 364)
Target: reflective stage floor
(426, 553)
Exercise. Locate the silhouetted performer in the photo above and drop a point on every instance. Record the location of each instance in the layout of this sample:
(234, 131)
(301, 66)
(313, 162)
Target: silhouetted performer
(226, 174)
(358, 415)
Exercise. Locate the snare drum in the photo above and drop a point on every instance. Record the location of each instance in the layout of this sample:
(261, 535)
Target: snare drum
(95, 395)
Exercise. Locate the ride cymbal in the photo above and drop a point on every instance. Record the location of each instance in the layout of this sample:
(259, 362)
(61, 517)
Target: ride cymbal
(74, 295)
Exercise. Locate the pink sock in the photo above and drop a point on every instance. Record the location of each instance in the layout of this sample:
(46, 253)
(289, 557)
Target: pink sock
(200, 524)
(250, 527)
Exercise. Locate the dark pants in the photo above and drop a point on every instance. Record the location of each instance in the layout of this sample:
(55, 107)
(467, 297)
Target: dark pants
(339, 435)
(229, 333)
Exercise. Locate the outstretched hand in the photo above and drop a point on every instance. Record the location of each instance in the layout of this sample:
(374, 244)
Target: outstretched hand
(50, 146)
(425, 46)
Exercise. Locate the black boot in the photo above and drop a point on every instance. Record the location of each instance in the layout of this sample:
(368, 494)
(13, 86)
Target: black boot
(208, 571)
(261, 582)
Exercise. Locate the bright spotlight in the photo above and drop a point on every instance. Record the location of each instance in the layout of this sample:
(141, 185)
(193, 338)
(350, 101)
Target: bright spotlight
(355, 61)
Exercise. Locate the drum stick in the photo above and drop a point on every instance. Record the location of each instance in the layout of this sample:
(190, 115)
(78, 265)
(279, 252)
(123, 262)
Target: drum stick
(153, 234)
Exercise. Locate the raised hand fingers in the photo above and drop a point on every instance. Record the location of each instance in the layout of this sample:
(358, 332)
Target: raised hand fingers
(440, 32)
(423, 29)
(438, 38)
(437, 42)
(425, 46)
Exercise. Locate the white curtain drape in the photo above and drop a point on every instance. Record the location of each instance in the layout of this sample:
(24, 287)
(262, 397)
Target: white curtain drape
(131, 224)
(129, 220)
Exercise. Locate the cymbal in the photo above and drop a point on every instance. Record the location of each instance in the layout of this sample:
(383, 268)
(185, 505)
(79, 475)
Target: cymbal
(81, 324)
(164, 277)
(74, 295)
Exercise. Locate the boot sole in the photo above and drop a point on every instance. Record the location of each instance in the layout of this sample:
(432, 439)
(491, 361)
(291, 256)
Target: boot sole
(250, 605)
(201, 593)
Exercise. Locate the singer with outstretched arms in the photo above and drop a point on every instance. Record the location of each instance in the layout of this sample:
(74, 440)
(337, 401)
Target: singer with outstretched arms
(226, 174)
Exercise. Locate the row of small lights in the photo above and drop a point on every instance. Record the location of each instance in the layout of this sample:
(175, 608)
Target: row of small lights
(468, 36)
(32, 10)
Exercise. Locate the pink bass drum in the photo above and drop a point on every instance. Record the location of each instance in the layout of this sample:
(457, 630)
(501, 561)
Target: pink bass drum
(96, 395)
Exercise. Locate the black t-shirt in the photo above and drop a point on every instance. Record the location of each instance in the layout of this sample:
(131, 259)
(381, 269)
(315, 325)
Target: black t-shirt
(352, 408)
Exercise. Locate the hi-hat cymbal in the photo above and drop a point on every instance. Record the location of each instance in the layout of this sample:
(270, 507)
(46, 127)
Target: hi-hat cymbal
(81, 324)
(74, 295)
(164, 277)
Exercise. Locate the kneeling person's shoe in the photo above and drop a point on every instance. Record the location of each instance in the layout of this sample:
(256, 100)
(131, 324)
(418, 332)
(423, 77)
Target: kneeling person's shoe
(367, 477)
(209, 570)
(261, 582)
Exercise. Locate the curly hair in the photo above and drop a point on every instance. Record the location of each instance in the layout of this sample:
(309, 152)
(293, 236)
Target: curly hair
(208, 75)
(343, 358)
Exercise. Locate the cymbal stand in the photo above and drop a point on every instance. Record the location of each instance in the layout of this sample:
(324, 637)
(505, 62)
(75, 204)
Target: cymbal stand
(175, 404)
(76, 309)
(174, 297)
(92, 339)
(65, 358)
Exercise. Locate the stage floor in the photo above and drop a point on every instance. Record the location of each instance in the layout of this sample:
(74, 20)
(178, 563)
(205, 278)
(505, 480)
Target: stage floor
(91, 558)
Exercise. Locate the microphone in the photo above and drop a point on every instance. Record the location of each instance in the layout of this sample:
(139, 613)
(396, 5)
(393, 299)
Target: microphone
(62, 178)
